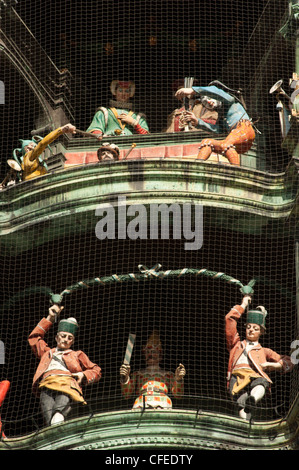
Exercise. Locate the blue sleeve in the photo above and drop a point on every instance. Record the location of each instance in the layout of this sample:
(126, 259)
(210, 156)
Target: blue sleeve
(215, 93)
(235, 113)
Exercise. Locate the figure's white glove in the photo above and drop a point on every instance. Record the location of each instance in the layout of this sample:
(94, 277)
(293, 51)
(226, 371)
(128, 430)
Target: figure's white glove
(124, 373)
(180, 373)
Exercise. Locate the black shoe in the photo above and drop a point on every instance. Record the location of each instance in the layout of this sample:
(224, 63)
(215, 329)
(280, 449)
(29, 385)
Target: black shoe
(249, 403)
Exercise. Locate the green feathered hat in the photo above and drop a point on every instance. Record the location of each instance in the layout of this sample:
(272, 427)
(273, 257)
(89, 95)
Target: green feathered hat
(257, 316)
(69, 325)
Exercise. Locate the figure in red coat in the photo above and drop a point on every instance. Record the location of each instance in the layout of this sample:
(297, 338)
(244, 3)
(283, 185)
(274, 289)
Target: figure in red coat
(4, 387)
(249, 362)
(61, 371)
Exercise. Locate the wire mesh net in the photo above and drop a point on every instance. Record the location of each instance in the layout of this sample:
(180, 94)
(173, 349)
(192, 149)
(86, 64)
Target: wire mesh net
(187, 311)
(76, 49)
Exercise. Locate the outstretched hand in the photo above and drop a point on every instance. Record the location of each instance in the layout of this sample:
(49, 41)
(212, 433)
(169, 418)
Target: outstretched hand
(54, 312)
(270, 366)
(69, 128)
(180, 373)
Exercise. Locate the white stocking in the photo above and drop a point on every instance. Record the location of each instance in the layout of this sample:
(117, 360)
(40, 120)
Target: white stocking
(57, 418)
(244, 415)
(258, 392)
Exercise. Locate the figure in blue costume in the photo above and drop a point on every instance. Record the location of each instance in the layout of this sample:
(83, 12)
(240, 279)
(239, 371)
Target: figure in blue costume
(232, 118)
(119, 118)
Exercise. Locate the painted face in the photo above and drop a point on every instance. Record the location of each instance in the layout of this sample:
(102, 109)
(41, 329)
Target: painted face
(30, 146)
(106, 155)
(152, 355)
(64, 340)
(122, 93)
(210, 103)
(253, 332)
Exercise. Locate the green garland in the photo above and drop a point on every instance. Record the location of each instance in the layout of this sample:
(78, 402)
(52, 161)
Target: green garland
(143, 274)
(152, 273)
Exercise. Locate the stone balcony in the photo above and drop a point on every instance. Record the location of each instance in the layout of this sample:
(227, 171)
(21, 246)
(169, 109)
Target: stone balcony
(156, 171)
(153, 429)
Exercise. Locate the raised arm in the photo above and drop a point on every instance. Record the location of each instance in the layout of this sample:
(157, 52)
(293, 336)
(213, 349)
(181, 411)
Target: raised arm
(41, 146)
(36, 337)
(231, 332)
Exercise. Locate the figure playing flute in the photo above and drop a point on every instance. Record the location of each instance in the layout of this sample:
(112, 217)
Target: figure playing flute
(232, 118)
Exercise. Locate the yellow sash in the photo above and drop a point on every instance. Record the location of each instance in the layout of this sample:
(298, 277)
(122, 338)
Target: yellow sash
(122, 125)
(64, 384)
(244, 377)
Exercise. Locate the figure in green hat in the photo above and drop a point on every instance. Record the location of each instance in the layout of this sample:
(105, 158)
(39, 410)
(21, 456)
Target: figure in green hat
(61, 371)
(249, 362)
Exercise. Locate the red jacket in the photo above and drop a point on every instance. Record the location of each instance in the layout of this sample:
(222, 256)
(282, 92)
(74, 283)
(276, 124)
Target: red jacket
(257, 355)
(75, 361)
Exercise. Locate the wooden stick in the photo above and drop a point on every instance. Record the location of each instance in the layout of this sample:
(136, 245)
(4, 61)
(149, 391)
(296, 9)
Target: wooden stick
(129, 151)
(89, 134)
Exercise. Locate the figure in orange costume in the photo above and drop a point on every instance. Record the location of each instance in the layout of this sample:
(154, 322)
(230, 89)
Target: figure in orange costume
(232, 118)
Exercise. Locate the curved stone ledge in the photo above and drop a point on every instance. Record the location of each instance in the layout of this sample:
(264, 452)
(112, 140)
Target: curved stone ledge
(77, 191)
(171, 429)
